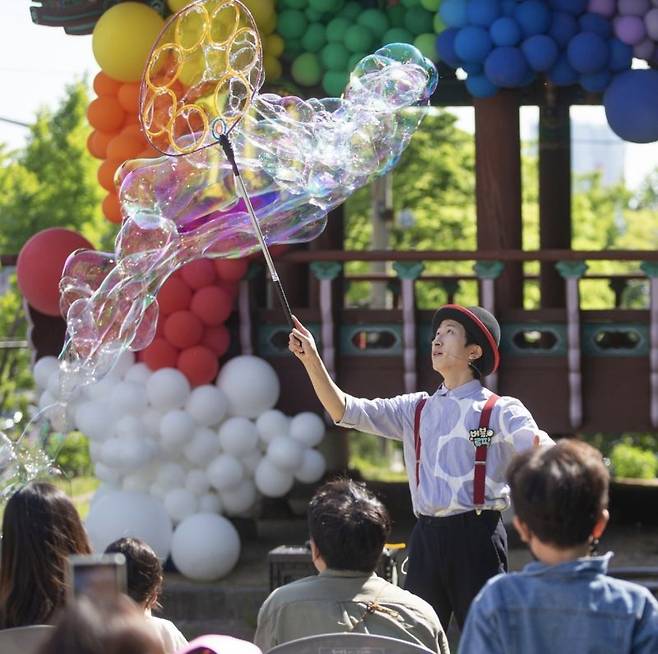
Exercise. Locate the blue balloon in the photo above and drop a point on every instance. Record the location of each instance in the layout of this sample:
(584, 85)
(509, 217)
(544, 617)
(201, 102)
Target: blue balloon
(505, 31)
(563, 28)
(596, 82)
(533, 16)
(507, 7)
(506, 67)
(445, 47)
(575, 7)
(483, 12)
(540, 51)
(453, 13)
(595, 23)
(480, 87)
(562, 73)
(473, 69)
(621, 55)
(630, 105)
(473, 44)
(588, 53)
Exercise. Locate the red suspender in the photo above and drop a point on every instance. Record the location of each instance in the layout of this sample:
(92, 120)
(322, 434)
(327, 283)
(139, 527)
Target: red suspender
(480, 472)
(419, 410)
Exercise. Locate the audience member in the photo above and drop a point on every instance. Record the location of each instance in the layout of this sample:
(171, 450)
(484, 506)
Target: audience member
(348, 529)
(40, 529)
(144, 580)
(565, 601)
(214, 644)
(86, 628)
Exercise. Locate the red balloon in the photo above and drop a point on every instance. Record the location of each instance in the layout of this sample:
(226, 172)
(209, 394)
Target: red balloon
(232, 288)
(159, 354)
(199, 364)
(212, 305)
(199, 273)
(40, 264)
(183, 329)
(175, 295)
(217, 339)
(231, 270)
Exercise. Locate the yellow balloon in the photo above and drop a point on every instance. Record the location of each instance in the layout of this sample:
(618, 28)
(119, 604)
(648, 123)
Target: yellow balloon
(261, 10)
(123, 38)
(177, 5)
(272, 67)
(268, 26)
(274, 45)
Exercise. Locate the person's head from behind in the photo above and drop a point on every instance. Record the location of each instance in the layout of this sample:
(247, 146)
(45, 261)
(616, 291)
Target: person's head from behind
(143, 570)
(117, 628)
(348, 526)
(560, 497)
(40, 530)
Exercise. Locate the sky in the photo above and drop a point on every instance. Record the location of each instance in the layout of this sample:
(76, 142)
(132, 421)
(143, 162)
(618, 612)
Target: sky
(37, 62)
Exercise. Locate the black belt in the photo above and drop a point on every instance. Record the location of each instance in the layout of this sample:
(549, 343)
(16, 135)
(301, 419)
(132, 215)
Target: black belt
(466, 515)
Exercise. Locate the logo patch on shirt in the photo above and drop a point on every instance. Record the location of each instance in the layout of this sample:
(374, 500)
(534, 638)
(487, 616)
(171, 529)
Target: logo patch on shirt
(481, 436)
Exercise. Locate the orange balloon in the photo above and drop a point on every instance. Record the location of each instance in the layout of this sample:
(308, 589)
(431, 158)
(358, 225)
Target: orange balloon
(124, 147)
(134, 129)
(112, 208)
(97, 144)
(105, 114)
(128, 97)
(131, 119)
(106, 173)
(105, 85)
(149, 153)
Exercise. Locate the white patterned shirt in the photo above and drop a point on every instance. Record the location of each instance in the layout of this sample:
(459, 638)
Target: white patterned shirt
(447, 456)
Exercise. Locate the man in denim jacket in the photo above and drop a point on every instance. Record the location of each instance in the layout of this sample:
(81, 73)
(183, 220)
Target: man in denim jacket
(564, 602)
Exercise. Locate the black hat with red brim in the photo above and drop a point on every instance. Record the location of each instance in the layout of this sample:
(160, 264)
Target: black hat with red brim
(482, 328)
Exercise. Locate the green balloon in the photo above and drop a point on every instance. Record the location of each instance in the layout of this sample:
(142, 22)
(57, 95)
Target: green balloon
(430, 5)
(426, 43)
(397, 35)
(439, 25)
(306, 69)
(293, 4)
(375, 21)
(325, 5)
(396, 15)
(334, 56)
(334, 82)
(351, 10)
(293, 48)
(314, 16)
(359, 39)
(336, 29)
(291, 24)
(355, 59)
(409, 3)
(418, 20)
(315, 38)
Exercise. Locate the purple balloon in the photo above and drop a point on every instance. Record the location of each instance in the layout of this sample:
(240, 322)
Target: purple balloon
(651, 24)
(644, 50)
(630, 29)
(633, 7)
(603, 7)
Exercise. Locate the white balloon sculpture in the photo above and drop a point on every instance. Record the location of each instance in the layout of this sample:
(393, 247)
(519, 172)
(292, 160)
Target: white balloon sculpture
(169, 455)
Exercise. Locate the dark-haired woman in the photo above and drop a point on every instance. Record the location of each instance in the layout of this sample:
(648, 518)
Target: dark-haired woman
(40, 530)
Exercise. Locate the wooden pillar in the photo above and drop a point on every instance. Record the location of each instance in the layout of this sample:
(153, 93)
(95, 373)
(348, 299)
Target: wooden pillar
(330, 239)
(554, 190)
(498, 187)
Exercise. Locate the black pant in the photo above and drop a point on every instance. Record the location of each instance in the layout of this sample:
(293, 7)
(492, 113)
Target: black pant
(451, 558)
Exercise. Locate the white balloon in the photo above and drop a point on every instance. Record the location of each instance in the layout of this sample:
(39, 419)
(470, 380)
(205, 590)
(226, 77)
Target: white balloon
(312, 468)
(180, 503)
(101, 389)
(95, 420)
(197, 482)
(271, 480)
(176, 428)
(203, 447)
(171, 475)
(238, 436)
(54, 384)
(128, 397)
(285, 453)
(151, 419)
(251, 385)
(43, 369)
(239, 499)
(95, 450)
(207, 405)
(138, 373)
(272, 423)
(111, 454)
(225, 472)
(158, 490)
(136, 482)
(251, 461)
(307, 428)
(210, 503)
(205, 547)
(105, 473)
(137, 515)
(129, 427)
(167, 389)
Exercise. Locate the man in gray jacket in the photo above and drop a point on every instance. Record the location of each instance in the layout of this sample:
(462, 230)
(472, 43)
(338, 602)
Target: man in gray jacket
(348, 529)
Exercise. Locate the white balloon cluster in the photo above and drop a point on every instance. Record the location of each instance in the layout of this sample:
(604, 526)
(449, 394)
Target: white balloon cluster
(196, 452)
